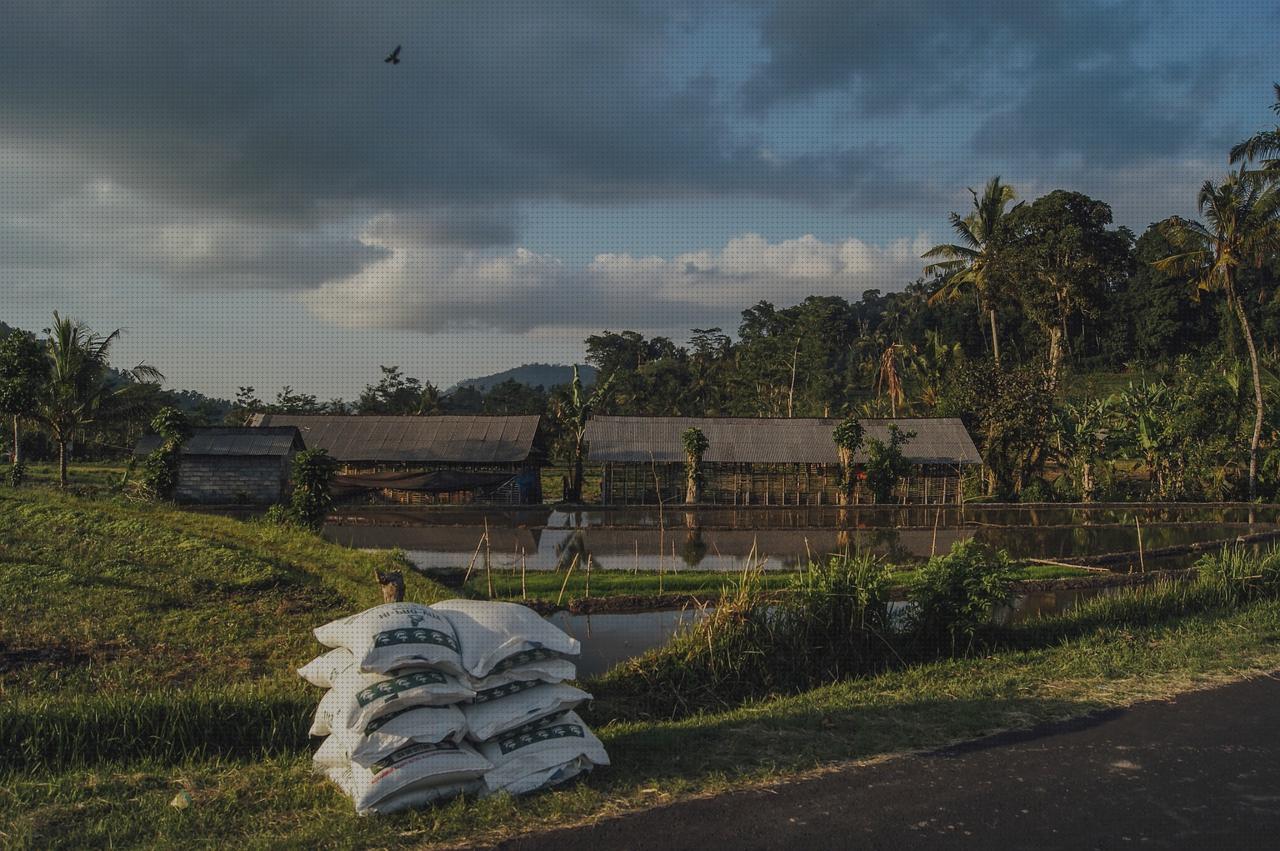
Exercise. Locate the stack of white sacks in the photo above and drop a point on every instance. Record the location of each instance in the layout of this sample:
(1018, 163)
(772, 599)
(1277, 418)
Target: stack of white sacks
(429, 702)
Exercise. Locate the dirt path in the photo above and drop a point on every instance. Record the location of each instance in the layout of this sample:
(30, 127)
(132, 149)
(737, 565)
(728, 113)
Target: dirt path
(1200, 771)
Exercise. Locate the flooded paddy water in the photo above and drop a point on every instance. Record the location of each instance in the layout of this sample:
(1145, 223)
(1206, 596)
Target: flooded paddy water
(779, 538)
(721, 539)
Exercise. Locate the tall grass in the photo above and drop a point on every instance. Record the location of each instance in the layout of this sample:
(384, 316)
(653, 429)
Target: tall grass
(834, 622)
(239, 722)
(1242, 573)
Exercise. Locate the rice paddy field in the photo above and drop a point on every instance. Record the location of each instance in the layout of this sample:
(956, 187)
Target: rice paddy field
(148, 655)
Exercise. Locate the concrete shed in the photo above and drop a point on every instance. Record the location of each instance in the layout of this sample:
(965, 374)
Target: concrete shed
(231, 465)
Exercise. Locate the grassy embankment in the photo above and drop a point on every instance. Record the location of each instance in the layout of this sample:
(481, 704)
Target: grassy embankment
(148, 651)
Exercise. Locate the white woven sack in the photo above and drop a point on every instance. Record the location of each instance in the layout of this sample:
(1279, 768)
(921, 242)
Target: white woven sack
(505, 708)
(553, 752)
(554, 670)
(497, 637)
(387, 734)
(393, 636)
(356, 698)
(323, 670)
(412, 776)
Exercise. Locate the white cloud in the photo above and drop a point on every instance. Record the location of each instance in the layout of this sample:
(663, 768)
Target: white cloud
(429, 287)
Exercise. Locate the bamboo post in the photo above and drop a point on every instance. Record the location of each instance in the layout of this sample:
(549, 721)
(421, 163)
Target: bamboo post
(587, 591)
(933, 545)
(488, 558)
(567, 574)
(1142, 562)
(523, 590)
(474, 556)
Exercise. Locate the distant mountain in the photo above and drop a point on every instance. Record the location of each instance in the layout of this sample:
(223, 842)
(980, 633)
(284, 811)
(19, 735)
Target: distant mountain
(543, 375)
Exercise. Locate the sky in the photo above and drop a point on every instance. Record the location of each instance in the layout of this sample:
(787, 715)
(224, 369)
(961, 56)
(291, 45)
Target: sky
(256, 198)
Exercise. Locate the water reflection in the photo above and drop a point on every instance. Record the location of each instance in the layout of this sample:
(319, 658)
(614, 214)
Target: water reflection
(720, 539)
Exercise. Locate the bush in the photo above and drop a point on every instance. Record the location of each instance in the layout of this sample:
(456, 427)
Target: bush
(160, 469)
(1037, 490)
(279, 515)
(954, 595)
(886, 465)
(313, 472)
(16, 474)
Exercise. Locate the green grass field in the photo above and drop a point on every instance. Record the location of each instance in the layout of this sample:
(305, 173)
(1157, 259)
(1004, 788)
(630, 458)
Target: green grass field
(148, 651)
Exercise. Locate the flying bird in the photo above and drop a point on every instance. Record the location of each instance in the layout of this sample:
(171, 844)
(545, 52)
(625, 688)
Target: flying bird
(394, 58)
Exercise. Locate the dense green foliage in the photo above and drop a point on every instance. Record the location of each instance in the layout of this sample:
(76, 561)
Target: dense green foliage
(160, 469)
(886, 464)
(695, 446)
(848, 437)
(953, 595)
(310, 502)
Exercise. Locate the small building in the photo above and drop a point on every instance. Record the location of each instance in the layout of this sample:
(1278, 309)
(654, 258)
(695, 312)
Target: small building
(232, 465)
(769, 461)
(425, 460)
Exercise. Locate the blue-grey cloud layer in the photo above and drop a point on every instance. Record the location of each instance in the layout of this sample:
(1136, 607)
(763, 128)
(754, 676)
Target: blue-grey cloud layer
(265, 144)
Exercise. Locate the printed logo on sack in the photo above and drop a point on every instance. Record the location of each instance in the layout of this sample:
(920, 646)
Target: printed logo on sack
(504, 691)
(378, 723)
(559, 731)
(534, 725)
(393, 688)
(524, 657)
(421, 635)
(409, 752)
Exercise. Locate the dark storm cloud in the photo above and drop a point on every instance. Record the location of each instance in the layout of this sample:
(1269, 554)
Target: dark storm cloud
(1055, 77)
(278, 108)
(1110, 114)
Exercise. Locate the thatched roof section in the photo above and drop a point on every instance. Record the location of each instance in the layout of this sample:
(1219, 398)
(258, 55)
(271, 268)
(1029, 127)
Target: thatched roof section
(417, 440)
(230, 441)
(758, 440)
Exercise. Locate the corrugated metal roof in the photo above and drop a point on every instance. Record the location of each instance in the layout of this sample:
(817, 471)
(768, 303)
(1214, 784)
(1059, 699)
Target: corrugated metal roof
(421, 440)
(752, 440)
(230, 440)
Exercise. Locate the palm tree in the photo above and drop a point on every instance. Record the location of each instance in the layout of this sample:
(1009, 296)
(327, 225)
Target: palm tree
(1263, 145)
(888, 380)
(77, 391)
(972, 263)
(1243, 216)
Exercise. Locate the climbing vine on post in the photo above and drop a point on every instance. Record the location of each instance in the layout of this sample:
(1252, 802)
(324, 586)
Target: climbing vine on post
(695, 445)
(848, 437)
(313, 472)
(160, 469)
(886, 465)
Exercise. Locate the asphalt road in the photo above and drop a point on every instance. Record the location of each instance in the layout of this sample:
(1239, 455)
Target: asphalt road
(1200, 771)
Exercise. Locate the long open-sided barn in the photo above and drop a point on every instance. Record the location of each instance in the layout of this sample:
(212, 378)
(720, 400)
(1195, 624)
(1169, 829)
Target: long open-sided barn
(768, 461)
(226, 465)
(444, 459)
